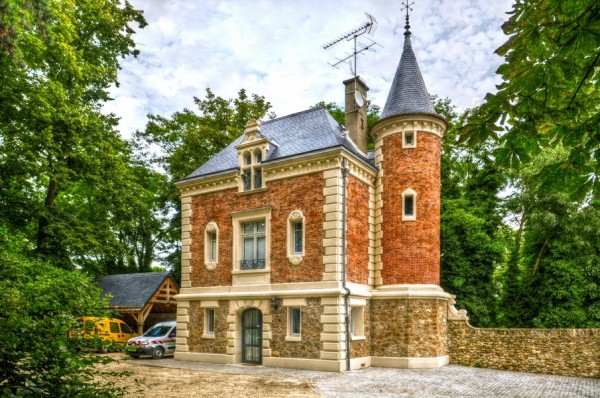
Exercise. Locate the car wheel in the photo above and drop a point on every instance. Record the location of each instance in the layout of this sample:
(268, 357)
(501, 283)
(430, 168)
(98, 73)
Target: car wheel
(158, 353)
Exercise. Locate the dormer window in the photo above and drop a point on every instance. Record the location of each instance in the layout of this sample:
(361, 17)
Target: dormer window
(252, 171)
(251, 152)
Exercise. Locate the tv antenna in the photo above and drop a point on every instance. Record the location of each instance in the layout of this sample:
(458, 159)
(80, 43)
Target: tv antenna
(368, 27)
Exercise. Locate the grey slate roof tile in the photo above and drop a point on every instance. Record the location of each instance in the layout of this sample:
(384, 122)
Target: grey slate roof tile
(131, 290)
(292, 135)
(408, 94)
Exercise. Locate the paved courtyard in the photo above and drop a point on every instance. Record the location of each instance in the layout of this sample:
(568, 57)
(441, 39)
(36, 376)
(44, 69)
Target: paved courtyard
(449, 381)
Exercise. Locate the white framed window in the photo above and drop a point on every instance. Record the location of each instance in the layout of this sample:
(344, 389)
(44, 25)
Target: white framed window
(252, 177)
(251, 240)
(296, 237)
(210, 319)
(409, 139)
(209, 322)
(357, 323)
(409, 205)
(294, 318)
(211, 246)
(294, 321)
(253, 245)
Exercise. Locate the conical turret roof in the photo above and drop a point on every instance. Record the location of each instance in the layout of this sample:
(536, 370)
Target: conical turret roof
(408, 94)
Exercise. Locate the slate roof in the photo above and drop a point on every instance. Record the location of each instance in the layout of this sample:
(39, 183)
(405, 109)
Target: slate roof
(131, 290)
(408, 94)
(300, 133)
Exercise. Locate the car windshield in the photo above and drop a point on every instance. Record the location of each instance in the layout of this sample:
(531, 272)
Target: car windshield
(157, 331)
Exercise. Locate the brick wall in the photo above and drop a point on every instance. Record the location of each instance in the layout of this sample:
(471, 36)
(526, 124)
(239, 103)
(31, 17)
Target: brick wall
(409, 328)
(303, 193)
(310, 331)
(358, 231)
(567, 352)
(411, 249)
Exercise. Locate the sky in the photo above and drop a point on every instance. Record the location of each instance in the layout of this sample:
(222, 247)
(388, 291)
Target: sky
(274, 48)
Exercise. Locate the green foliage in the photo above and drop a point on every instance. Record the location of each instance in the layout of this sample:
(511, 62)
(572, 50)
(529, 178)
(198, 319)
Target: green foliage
(68, 181)
(38, 305)
(471, 222)
(550, 94)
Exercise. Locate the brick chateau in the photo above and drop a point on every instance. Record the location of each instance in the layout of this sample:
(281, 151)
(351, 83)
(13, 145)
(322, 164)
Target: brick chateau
(301, 248)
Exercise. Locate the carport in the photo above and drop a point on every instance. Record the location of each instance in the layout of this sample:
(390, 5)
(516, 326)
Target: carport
(143, 299)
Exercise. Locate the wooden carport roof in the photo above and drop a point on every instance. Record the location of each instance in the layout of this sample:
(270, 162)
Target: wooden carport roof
(139, 294)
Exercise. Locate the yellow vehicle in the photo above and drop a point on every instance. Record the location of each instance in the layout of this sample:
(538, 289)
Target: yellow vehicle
(110, 330)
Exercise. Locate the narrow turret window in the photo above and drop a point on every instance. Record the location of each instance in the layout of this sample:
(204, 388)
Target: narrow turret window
(409, 205)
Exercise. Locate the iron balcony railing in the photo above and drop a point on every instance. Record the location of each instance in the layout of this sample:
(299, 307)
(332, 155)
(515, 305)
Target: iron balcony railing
(257, 263)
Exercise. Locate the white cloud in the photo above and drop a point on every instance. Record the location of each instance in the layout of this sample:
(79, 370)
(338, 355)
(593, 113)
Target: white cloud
(274, 48)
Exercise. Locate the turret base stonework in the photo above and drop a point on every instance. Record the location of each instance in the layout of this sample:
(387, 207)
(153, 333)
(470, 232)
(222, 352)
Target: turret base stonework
(409, 326)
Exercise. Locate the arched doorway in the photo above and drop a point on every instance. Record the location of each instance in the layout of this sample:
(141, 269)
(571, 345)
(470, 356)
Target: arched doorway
(252, 336)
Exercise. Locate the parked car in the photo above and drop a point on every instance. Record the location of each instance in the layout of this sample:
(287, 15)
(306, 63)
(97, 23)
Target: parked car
(157, 341)
(109, 330)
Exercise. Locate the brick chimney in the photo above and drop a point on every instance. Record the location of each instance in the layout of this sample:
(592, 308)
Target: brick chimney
(356, 112)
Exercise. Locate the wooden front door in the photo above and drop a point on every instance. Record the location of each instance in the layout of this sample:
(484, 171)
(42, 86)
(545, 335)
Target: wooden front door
(252, 336)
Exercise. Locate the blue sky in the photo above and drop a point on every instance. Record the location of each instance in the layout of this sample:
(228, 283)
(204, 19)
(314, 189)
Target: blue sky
(274, 48)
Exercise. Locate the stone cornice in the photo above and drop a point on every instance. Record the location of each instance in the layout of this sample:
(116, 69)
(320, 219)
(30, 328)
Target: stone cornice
(200, 185)
(421, 123)
(285, 168)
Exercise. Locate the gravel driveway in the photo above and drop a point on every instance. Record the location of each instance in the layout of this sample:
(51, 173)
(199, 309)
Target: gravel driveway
(449, 381)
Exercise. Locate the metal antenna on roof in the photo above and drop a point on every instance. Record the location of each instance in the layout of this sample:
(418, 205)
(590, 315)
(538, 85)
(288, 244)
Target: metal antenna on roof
(368, 27)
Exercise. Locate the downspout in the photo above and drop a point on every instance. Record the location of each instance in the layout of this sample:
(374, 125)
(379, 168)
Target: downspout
(344, 243)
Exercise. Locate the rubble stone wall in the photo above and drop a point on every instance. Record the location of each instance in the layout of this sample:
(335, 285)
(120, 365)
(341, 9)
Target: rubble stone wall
(566, 352)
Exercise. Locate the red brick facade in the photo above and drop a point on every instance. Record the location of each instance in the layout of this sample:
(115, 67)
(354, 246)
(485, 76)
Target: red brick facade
(304, 193)
(358, 231)
(411, 249)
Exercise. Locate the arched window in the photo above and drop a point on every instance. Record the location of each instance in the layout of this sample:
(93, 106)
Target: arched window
(252, 170)
(296, 238)
(211, 246)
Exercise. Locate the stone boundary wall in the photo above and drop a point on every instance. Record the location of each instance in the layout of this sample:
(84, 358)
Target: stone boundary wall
(565, 352)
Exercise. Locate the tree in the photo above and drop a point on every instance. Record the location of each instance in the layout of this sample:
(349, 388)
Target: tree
(187, 140)
(38, 305)
(58, 152)
(471, 221)
(550, 94)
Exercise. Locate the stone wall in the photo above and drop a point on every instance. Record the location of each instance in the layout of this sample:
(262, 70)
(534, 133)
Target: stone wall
(213, 345)
(567, 352)
(362, 348)
(310, 331)
(413, 328)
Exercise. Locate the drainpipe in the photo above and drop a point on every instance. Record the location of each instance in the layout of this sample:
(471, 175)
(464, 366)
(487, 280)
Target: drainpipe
(347, 294)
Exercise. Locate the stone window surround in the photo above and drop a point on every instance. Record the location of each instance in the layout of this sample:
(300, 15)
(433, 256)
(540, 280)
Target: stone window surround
(253, 167)
(211, 228)
(290, 304)
(209, 306)
(295, 217)
(405, 135)
(413, 217)
(357, 319)
(238, 218)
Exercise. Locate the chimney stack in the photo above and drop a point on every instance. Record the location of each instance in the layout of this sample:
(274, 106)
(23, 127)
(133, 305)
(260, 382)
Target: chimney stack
(356, 111)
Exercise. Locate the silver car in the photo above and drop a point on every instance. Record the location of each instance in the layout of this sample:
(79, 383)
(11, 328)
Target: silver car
(157, 341)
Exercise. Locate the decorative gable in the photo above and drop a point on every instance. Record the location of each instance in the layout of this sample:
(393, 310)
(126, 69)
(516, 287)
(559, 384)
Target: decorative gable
(251, 152)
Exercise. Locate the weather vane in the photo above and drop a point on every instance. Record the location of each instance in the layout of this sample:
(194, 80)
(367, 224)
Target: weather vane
(369, 27)
(407, 7)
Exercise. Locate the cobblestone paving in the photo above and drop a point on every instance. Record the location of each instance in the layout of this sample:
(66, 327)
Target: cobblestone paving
(449, 381)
